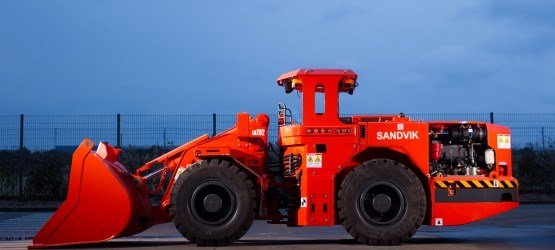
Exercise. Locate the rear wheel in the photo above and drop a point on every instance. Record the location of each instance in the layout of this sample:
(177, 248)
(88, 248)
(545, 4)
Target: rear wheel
(381, 202)
(213, 203)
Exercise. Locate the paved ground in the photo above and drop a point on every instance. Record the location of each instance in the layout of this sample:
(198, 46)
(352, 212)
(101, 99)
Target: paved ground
(529, 226)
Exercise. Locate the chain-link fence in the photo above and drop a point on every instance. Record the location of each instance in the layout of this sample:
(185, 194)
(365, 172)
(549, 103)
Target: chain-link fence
(65, 132)
(10, 132)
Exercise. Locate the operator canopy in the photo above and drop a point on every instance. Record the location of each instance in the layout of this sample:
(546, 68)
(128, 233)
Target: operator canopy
(293, 80)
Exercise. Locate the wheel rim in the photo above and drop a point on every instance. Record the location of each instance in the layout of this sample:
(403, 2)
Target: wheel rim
(213, 203)
(381, 203)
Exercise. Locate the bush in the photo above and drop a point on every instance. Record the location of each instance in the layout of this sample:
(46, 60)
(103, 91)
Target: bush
(46, 177)
(45, 174)
(134, 158)
(11, 170)
(42, 175)
(535, 169)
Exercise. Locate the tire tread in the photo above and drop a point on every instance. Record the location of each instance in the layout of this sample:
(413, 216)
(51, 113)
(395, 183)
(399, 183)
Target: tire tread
(228, 171)
(395, 235)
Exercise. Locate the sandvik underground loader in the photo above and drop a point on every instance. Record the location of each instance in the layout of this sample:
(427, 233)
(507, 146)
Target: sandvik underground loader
(380, 176)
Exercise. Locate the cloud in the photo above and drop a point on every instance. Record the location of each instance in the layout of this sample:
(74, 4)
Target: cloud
(528, 13)
(523, 28)
(342, 12)
(461, 63)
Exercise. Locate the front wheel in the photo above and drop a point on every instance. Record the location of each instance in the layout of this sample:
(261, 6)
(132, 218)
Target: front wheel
(213, 203)
(381, 202)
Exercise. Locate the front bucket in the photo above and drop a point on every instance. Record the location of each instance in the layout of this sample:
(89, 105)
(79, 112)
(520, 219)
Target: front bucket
(102, 202)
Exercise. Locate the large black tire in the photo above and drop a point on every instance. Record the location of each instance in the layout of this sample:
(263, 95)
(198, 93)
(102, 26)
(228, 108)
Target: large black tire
(213, 203)
(381, 202)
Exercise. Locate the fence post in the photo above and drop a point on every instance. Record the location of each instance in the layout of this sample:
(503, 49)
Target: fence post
(543, 139)
(21, 122)
(213, 124)
(21, 146)
(491, 117)
(118, 139)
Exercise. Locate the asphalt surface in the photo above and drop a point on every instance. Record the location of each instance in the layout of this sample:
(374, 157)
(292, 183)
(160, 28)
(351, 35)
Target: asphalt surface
(527, 227)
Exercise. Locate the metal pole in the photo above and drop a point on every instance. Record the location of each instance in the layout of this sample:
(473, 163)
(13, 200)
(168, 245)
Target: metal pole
(21, 122)
(213, 124)
(491, 117)
(55, 137)
(543, 138)
(119, 131)
(165, 139)
(21, 129)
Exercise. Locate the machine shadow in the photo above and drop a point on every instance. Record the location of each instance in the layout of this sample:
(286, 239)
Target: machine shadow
(417, 241)
(261, 243)
(130, 244)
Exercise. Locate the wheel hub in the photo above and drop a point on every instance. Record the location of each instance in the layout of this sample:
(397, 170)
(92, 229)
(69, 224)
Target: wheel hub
(381, 203)
(212, 203)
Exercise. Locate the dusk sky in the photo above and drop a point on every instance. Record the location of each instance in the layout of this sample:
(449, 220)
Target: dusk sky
(201, 57)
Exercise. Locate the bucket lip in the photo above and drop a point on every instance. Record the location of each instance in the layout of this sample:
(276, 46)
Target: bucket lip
(80, 243)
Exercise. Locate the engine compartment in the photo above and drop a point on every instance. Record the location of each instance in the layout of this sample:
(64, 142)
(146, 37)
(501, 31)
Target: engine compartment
(460, 149)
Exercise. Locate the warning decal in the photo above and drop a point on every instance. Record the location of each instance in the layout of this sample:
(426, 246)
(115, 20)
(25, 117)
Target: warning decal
(303, 202)
(503, 141)
(439, 222)
(314, 160)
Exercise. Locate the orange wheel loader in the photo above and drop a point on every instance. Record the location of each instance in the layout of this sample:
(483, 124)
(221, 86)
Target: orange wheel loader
(380, 176)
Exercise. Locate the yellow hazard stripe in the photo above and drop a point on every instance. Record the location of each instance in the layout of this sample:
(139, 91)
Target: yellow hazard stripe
(441, 184)
(465, 184)
(478, 184)
(451, 183)
(489, 184)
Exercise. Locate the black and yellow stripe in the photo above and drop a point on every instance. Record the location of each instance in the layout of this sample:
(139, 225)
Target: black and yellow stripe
(476, 184)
